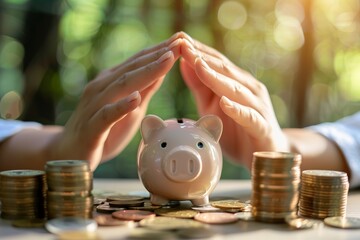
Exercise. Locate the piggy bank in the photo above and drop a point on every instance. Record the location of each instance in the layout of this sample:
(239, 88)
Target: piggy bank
(180, 159)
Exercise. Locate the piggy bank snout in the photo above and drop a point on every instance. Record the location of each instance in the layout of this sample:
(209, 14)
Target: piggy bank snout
(182, 164)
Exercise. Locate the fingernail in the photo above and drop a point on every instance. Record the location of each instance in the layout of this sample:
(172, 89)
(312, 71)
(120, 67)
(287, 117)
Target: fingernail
(133, 96)
(226, 103)
(164, 57)
(174, 43)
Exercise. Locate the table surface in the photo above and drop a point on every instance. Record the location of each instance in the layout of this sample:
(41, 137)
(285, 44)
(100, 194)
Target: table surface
(240, 189)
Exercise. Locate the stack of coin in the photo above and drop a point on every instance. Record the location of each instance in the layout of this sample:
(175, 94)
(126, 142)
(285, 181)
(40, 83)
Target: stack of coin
(22, 194)
(69, 189)
(275, 185)
(323, 193)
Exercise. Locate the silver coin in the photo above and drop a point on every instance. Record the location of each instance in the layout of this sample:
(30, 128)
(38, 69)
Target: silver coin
(59, 225)
(302, 223)
(343, 222)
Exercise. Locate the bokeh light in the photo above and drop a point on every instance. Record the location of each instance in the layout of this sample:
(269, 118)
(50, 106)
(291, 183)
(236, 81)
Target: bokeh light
(232, 15)
(11, 105)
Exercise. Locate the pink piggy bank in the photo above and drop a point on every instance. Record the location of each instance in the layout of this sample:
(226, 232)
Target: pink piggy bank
(180, 159)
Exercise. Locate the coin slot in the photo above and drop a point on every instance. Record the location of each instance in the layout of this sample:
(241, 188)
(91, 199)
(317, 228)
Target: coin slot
(191, 166)
(173, 166)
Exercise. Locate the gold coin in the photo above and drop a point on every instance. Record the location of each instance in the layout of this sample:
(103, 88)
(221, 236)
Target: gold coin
(230, 204)
(169, 223)
(343, 222)
(67, 166)
(21, 173)
(125, 198)
(176, 213)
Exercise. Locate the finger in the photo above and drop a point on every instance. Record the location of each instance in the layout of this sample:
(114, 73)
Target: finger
(228, 69)
(221, 64)
(138, 79)
(200, 91)
(110, 113)
(221, 85)
(248, 118)
(189, 53)
(161, 45)
(142, 60)
(138, 62)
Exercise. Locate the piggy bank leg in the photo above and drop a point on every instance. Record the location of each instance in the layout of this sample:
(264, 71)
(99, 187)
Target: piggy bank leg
(157, 200)
(200, 201)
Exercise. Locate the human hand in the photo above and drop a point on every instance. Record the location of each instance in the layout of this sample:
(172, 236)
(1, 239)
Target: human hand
(240, 100)
(113, 104)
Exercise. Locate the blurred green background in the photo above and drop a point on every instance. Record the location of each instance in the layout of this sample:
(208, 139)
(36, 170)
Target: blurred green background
(307, 52)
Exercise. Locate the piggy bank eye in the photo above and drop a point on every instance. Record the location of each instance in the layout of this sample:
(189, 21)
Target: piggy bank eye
(163, 145)
(200, 145)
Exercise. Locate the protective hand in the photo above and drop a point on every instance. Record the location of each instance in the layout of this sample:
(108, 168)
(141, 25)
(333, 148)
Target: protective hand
(114, 103)
(240, 100)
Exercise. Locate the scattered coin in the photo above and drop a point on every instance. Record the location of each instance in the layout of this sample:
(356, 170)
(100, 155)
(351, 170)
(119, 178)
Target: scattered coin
(126, 198)
(109, 220)
(169, 223)
(343, 222)
(230, 204)
(126, 203)
(105, 208)
(58, 225)
(98, 201)
(302, 223)
(216, 218)
(135, 215)
(147, 207)
(176, 213)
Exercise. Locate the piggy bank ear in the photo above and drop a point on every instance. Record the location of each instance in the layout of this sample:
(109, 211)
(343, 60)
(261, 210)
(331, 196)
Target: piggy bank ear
(149, 125)
(212, 124)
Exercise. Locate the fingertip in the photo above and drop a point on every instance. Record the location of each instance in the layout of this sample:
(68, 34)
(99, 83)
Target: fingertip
(135, 96)
(225, 103)
(165, 57)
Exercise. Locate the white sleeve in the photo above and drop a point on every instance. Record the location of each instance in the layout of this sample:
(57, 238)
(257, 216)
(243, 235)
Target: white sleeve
(10, 127)
(346, 134)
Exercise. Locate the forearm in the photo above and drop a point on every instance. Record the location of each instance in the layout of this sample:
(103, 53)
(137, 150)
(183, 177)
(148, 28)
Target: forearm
(29, 148)
(317, 151)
